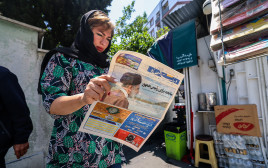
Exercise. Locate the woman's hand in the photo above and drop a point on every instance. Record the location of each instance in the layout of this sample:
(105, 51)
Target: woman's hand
(96, 88)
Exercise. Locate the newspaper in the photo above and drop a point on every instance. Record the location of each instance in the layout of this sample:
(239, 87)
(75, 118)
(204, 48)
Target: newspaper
(138, 102)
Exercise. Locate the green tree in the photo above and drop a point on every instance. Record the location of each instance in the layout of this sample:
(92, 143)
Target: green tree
(133, 36)
(28, 11)
(162, 31)
(60, 18)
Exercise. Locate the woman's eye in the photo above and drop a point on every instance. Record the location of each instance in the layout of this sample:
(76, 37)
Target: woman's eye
(99, 34)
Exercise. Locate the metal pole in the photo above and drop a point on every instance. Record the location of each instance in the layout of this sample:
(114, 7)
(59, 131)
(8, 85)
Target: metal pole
(224, 59)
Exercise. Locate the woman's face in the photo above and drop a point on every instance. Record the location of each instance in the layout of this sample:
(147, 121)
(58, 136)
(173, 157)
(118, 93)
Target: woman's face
(101, 38)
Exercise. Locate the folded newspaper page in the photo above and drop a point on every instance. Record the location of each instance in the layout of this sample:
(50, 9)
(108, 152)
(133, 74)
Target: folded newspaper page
(137, 103)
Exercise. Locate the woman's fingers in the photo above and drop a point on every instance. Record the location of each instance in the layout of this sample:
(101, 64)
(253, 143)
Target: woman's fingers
(96, 90)
(108, 78)
(102, 83)
(90, 95)
(97, 87)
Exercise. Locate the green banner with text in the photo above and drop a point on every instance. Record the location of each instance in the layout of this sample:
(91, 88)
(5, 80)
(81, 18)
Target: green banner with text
(184, 46)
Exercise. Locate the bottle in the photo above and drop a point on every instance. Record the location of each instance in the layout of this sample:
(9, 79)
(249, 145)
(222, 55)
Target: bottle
(226, 139)
(220, 137)
(244, 152)
(239, 163)
(246, 138)
(247, 164)
(241, 144)
(220, 162)
(255, 142)
(232, 162)
(233, 145)
(215, 136)
(221, 147)
(217, 148)
(225, 162)
(252, 154)
(259, 157)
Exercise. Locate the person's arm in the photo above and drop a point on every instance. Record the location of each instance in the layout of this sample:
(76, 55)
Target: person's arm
(55, 86)
(14, 101)
(94, 91)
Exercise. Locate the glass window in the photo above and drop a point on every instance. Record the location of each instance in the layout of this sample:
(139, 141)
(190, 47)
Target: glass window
(151, 22)
(152, 33)
(165, 6)
(157, 15)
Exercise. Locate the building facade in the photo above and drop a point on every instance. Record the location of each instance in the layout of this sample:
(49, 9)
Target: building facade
(162, 9)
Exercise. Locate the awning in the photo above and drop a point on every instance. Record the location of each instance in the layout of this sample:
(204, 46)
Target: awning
(184, 14)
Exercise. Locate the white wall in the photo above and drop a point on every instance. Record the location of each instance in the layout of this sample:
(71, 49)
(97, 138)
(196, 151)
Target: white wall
(202, 80)
(18, 46)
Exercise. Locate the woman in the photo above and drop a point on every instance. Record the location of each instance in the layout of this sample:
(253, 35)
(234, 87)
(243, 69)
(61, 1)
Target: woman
(69, 82)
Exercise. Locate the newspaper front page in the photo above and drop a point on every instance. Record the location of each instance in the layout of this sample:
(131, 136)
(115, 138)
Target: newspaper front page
(137, 103)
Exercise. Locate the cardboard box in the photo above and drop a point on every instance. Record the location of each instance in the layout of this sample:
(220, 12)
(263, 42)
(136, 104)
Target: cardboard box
(237, 119)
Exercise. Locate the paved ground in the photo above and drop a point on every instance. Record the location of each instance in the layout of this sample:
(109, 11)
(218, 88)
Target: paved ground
(153, 155)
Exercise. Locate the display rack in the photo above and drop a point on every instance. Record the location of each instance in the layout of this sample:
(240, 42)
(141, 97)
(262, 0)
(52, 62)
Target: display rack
(224, 57)
(235, 62)
(205, 111)
(243, 60)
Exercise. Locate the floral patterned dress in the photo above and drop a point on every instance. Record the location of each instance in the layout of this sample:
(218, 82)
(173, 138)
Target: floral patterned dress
(68, 147)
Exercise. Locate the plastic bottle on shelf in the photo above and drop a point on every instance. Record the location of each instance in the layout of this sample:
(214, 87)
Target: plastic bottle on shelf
(232, 162)
(246, 138)
(225, 162)
(245, 154)
(255, 142)
(253, 155)
(248, 141)
(220, 160)
(219, 137)
(239, 163)
(217, 148)
(252, 142)
(241, 143)
(215, 136)
(221, 147)
(247, 164)
(226, 144)
(259, 156)
(258, 165)
(234, 146)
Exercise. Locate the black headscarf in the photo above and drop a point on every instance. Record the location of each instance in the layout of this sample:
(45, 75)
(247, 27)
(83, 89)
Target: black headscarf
(82, 48)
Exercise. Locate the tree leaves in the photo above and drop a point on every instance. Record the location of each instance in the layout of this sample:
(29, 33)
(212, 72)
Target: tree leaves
(133, 36)
(60, 18)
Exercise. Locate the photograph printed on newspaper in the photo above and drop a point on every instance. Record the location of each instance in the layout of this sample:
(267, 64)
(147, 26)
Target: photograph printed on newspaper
(136, 103)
